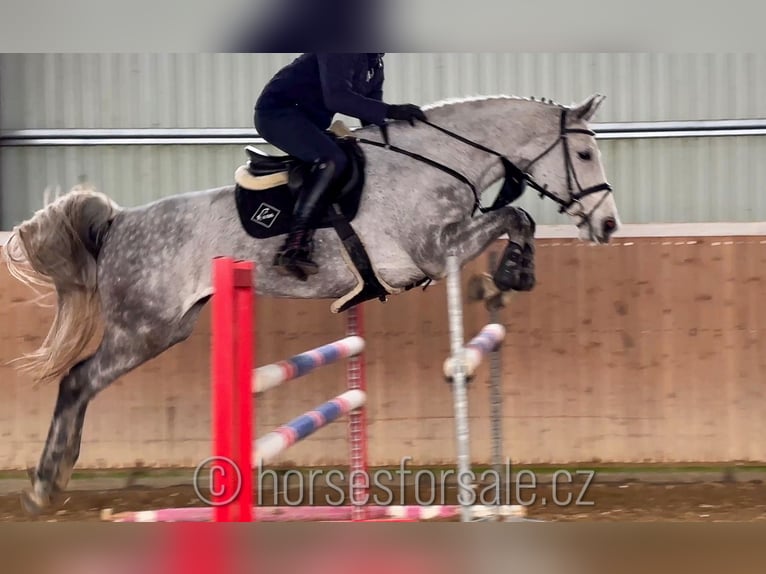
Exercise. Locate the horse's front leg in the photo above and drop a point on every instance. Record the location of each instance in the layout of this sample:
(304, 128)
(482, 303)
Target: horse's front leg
(516, 269)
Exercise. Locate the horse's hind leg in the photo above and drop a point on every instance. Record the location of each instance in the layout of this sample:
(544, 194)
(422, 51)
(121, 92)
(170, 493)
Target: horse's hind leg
(72, 452)
(122, 349)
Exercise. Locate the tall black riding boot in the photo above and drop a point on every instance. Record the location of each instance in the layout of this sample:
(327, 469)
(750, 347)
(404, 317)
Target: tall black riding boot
(294, 258)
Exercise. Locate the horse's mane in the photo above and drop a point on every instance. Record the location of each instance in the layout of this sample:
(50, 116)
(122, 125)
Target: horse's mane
(468, 99)
(476, 98)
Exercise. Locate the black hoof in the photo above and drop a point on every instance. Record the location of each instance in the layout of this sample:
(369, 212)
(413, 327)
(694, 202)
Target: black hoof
(527, 282)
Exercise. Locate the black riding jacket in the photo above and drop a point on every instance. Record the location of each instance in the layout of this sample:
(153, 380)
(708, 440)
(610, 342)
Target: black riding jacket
(323, 85)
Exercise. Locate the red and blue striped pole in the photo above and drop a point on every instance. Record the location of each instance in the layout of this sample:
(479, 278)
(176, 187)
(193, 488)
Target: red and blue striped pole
(270, 376)
(283, 437)
(487, 340)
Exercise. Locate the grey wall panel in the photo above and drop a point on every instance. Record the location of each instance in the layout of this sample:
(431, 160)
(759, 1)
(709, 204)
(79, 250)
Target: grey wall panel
(131, 175)
(219, 90)
(693, 180)
(655, 181)
(676, 180)
(134, 90)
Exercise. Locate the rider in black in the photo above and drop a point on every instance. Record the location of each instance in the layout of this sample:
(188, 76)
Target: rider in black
(293, 113)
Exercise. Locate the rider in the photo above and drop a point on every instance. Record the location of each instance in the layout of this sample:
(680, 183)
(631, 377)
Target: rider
(293, 113)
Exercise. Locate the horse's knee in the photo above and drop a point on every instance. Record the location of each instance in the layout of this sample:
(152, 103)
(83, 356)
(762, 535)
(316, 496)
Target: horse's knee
(526, 222)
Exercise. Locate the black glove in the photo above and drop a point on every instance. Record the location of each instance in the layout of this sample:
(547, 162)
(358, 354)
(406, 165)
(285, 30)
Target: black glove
(406, 112)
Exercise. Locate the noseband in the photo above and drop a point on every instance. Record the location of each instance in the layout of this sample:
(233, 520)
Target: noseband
(517, 179)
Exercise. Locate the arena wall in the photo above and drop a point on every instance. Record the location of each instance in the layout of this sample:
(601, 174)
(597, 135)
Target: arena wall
(649, 349)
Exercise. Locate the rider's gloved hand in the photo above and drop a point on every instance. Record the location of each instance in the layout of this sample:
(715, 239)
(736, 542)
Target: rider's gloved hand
(405, 112)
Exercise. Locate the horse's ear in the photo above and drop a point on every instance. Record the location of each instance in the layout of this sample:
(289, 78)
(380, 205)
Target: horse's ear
(587, 109)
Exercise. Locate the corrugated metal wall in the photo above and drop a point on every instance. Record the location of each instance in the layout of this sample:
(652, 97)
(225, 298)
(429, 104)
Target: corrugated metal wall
(131, 175)
(218, 90)
(657, 181)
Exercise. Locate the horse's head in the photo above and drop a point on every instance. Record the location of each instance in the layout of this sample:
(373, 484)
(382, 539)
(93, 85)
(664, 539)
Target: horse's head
(569, 171)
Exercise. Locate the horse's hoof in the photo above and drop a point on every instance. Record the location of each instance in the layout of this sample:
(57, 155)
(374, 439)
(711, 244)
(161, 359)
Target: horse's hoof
(499, 301)
(510, 281)
(475, 291)
(32, 503)
(481, 288)
(527, 282)
(495, 303)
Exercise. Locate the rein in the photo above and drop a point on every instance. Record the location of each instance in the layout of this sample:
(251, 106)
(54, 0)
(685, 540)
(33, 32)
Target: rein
(516, 179)
(456, 174)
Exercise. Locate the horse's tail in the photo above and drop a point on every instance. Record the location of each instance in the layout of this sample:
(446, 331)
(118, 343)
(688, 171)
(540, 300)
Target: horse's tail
(58, 246)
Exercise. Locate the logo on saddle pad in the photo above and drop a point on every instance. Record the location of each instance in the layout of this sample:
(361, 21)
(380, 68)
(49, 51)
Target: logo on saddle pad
(265, 215)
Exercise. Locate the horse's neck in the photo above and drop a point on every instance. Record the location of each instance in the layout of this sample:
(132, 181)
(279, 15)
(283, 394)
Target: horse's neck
(508, 126)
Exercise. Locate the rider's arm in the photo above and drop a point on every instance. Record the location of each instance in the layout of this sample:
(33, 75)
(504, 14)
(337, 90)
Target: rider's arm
(376, 94)
(336, 71)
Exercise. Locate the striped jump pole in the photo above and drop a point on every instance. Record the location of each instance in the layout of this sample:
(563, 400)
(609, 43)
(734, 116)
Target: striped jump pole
(270, 376)
(487, 340)
(282, 438)
(318, 513)
(235, 383)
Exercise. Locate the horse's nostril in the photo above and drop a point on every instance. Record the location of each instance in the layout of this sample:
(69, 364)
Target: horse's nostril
(609, 224)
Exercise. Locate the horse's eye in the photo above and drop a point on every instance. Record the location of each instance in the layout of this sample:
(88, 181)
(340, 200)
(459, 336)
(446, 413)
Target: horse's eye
(585, 155)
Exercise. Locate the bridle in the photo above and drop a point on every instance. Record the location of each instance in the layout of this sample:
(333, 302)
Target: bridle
(575, 197)
(516, 179)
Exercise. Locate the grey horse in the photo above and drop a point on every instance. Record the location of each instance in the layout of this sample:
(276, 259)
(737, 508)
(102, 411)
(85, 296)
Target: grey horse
(143, 274)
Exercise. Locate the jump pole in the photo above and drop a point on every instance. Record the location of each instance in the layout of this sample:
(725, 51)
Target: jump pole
(351, 347)
(356, 380)
(484, 343)
(496, 395)
(272, 375)
(315, 513)
(280, 439)
(458, 368)
(233, 405)
(234, 384)
(460, 396)
(232, 320)
(232, 366)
